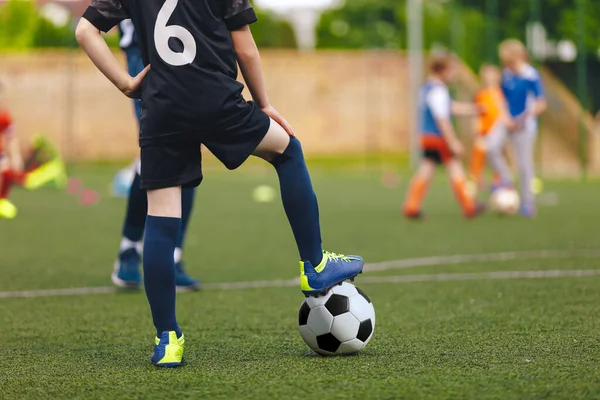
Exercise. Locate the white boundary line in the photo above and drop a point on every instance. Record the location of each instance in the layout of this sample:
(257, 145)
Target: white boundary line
(383, 266)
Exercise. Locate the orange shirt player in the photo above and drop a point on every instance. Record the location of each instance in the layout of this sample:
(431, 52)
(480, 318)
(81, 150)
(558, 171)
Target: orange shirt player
(491, 122)
(11, 165)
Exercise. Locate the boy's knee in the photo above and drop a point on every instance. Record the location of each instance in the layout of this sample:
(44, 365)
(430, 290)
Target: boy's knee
(292, 152)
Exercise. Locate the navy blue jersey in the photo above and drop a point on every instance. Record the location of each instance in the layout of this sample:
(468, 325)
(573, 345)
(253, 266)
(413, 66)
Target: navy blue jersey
(192, 85)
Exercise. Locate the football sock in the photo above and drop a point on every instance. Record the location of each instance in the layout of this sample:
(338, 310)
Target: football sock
(478, 160)
(135, 217)
(300, 202)
(159, 271)
(187, 205)
(416, 194)
(466, 201)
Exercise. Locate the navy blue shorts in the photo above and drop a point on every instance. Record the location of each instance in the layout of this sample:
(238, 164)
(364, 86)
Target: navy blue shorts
(179, 163)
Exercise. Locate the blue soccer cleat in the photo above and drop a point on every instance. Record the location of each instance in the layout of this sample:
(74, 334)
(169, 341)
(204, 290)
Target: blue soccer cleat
(168, 351)
(528, 210)
(127, 270)
(333, 270)
(183, 281)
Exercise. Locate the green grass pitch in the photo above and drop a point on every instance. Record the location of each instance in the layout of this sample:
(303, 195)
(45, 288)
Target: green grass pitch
(443, 337)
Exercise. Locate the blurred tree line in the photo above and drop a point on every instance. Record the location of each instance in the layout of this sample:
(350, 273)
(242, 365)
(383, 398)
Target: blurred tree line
(464, 26)
(461, 25)
(23, 27)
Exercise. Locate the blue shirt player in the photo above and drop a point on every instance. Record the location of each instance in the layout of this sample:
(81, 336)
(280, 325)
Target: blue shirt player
(524, 92)
(127, 267)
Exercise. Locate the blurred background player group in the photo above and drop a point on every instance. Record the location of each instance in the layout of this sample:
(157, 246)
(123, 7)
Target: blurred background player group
(507, 106)
(127, 266)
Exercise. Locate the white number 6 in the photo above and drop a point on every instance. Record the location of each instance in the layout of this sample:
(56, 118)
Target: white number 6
(162, 33)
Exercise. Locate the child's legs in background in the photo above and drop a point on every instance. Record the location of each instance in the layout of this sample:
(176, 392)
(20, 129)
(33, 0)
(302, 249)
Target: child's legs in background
(418, 187)
(524, 143)
(458, 180)
(495, 142)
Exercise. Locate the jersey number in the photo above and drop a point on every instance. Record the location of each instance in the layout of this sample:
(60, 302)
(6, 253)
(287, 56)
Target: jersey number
(163, 32)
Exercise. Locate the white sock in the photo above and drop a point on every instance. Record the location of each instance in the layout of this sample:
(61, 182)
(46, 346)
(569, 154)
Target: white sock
(127, 244)
(177, 255)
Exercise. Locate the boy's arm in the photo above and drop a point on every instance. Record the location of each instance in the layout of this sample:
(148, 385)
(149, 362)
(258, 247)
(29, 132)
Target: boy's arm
(249, 60)
(465, 109)
(540, 105)
(92, 42)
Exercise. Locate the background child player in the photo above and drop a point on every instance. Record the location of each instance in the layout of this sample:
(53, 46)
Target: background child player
(191, 97)
(439, 141)
(12, 170)
(524, 92)
(491, 129)
(127, 267)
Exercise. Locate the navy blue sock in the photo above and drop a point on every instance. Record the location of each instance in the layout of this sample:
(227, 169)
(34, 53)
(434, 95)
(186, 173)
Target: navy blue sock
(159, 271)
(187, 205)
(300, 202)
(137, 207)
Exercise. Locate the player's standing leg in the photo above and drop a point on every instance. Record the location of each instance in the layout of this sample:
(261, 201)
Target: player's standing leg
(524, 144)
(163, 227)
(495, 142)
(418, 189)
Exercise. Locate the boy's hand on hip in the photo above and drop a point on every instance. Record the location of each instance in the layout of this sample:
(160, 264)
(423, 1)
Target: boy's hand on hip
(132, 88)
(277, 117)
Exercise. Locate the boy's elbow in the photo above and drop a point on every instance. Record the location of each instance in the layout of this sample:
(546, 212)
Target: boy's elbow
(83, 30)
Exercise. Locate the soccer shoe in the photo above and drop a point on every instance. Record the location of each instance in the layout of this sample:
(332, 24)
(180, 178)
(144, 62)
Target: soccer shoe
(51, 171)
(333, 270)
(168, 351)
(416, 216)
(7, 209)
(183, 281)
(528, 211)
(480, 208)
(127, 270)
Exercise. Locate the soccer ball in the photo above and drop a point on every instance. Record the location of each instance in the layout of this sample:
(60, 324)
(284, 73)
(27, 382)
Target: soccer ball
(505, 201)
(341, 322)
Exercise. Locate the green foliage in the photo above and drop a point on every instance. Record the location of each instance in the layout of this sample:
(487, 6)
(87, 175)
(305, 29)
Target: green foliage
(22, 27)
(364, 24)
(271, 32)
(465, 26)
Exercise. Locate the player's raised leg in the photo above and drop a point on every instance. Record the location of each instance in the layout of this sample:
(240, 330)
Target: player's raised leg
(319, 270)
(417, 190)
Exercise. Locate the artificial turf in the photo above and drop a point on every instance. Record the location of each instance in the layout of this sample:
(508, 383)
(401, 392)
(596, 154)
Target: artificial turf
(482, 338)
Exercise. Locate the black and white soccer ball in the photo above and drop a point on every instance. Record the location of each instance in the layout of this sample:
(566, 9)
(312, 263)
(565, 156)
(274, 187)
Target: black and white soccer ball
(341, 322)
